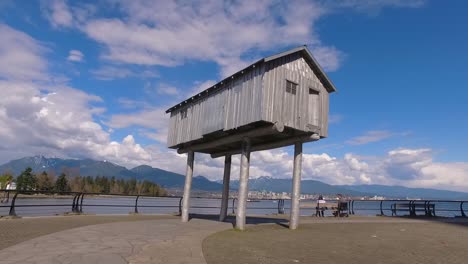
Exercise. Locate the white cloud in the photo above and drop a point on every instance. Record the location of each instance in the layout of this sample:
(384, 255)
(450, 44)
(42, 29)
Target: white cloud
(75, 55)
(335, 118)
(58, 13)
(58, 121)
(374, 6)
(21, 56)
(108, 72)
(152, 118)
(48, 118)
(169, 33)
(374, 136)
(165, 89)
(230, 33)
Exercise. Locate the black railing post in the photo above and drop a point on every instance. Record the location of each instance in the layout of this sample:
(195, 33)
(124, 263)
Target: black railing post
(381, 209)
(12, 206)
(233, 205)
(280, 206)
(75, 206)
(352, 207)
(81, 203)
(412, 208)
(136, 205)
(427, 208)
(461, 209)
(180, 205)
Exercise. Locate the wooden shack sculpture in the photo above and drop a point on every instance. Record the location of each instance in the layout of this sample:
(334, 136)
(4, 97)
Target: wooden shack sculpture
(277, 101)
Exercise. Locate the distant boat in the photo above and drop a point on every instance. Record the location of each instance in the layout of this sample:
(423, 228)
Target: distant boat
(253, 201)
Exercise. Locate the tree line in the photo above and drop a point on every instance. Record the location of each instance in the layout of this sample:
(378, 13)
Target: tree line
(44, 181)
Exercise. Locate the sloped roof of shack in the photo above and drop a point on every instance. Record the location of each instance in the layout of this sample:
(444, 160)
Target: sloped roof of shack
(306, 54)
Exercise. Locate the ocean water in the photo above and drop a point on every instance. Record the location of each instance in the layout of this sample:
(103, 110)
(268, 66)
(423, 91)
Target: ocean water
(167, 205)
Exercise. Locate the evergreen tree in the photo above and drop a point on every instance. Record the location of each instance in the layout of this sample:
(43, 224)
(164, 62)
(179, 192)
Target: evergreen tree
(26, 180)
(61, 185)
(45, 182)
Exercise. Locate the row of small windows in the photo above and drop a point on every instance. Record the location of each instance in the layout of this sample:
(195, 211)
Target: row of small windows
(291, 88)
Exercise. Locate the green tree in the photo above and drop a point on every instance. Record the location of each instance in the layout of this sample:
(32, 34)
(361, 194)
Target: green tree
(45, 182)
(26, 180)
(61, 185)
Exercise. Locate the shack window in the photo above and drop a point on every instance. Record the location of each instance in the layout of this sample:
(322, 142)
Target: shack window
(313, 91)
(291, 87)
(183, 114)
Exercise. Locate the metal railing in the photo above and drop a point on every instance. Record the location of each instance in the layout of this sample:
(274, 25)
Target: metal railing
(77, 202)
(394, 206)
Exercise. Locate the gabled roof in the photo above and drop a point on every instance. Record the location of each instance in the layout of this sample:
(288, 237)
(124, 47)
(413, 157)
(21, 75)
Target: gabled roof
(307, 55)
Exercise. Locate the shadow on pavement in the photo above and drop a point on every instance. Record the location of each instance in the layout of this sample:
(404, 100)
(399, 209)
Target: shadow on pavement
(250, 220)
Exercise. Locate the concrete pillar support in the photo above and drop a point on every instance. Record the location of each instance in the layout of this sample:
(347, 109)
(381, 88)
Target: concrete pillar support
(296, 186)
(243, 184)
(225, 197)
(187, 187)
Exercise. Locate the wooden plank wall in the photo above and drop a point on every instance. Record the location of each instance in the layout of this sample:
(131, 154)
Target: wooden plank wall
(293, 110)
(236, 104)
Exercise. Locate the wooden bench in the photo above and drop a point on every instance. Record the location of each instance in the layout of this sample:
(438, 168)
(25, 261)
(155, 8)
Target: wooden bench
(413, 207)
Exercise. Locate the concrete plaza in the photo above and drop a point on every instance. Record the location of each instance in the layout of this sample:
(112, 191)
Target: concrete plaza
(164, 239)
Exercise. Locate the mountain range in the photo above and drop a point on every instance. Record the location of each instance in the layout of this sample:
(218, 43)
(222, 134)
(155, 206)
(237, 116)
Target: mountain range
(171, 180)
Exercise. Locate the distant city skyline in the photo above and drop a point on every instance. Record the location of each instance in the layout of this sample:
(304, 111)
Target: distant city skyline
(83, 79)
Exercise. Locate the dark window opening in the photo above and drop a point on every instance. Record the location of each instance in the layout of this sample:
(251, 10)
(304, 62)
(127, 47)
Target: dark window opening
(313, 91)
(291, 87)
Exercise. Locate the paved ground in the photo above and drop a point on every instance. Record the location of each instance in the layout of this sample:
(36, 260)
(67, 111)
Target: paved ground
(148, 241)
(136, 239)
(353, 240)
(14, 231)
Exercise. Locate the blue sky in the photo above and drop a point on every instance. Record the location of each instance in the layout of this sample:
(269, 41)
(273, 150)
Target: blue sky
(93, 78)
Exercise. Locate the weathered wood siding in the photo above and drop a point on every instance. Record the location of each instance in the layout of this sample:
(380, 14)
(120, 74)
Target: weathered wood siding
(236, 104)
(294, 111)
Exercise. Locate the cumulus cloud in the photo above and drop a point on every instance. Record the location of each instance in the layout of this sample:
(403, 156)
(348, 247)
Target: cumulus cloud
(230, 33)
(75, 55)
(153, 118)
(21, 56)
(168, 33)
(58, 121)
(39, 116)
